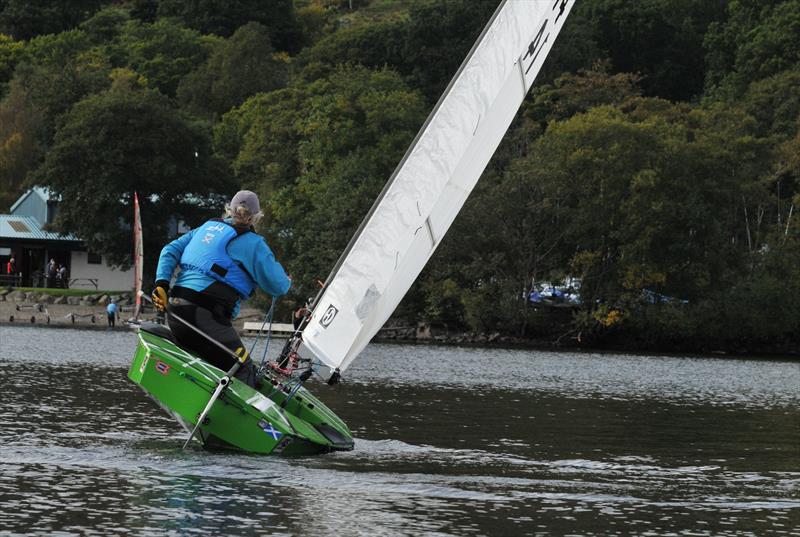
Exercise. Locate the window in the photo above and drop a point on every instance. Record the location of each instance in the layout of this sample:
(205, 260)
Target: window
(94, 259)
(52, 209)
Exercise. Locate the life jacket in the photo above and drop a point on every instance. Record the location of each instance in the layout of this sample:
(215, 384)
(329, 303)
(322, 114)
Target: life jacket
(207, 253)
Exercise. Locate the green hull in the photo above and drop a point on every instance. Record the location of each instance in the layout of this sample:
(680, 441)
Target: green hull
(242, 418)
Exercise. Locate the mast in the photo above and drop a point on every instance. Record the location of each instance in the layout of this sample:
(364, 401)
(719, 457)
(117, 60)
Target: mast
(432, 181)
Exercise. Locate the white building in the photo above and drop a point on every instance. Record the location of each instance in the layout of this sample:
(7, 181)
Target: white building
(22, 235)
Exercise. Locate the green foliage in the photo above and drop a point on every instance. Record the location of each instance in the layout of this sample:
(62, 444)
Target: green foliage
(660, 39)
(641, 197)
(99, 158)
(19, 150)
(260, 139)
(426, 47)
(106, 25)
(639, 209)
(438, 37)
(10, 53)
(164, 52)
(650, 196)
(759, 39)
(224, 17)
(313, 21)
(774, 45)
(374, 46)
(775, 103)
(319, 155)
(574, 93)
(25, 19)
(56, 72)
(240, 67)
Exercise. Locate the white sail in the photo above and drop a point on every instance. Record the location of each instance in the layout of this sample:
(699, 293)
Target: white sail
(434, 179)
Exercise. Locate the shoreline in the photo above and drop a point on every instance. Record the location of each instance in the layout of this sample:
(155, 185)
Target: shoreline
(517, 344)
(38, 309)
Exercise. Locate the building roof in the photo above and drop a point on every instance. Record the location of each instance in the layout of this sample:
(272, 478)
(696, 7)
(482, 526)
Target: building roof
(37, 190)
(25, 227)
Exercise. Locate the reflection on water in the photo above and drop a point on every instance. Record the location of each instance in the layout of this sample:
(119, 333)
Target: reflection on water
(450, 441)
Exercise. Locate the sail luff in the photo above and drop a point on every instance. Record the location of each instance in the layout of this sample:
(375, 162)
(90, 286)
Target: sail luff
(138, 256)
(431, 184)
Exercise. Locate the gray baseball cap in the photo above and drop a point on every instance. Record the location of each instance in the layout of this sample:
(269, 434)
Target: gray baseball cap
(246, 199)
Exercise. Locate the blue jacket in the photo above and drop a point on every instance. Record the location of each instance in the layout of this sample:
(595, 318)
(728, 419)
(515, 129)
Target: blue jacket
(250, 250)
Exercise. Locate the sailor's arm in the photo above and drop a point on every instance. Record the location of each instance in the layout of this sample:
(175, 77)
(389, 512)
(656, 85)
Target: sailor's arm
(267, 272)
(171, 256)
(167, 261)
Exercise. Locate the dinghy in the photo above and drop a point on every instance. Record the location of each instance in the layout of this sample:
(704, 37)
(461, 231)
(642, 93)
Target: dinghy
(279, 417)
(384, 257)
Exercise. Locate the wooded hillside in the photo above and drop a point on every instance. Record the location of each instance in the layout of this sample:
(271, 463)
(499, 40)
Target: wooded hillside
(656, 161)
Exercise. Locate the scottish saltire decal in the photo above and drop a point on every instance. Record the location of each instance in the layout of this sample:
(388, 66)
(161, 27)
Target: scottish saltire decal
(269, 429)
(162, 368)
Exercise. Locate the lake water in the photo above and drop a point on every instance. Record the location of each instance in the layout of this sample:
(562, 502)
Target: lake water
(449, 441)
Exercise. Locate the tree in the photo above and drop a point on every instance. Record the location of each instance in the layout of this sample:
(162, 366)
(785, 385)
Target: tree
(660, 39)
(105, 25)
(438, 37)
(99, 158)
(25, 19)
(371, 45)
(10, 53)
(242, 66)
(55, 72)
(260, 139)
(758, 40)
(19, 149)
(224, 17)
(164, 52)
(775, 103)
(574, 93)
(646, 196)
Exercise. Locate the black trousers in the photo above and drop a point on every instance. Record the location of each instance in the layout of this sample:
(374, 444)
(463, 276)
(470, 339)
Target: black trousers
(218, 328)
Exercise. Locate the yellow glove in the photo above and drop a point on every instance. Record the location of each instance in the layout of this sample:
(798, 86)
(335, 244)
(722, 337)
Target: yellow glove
(242, 353)
(160, 296)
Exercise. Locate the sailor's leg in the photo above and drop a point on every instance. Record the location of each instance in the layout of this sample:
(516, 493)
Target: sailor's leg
(219, 329)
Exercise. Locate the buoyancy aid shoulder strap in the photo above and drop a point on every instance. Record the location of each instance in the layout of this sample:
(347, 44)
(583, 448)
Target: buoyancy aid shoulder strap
(240, 230)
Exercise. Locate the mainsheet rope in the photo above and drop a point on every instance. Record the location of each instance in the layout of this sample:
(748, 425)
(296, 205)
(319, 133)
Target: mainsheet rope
(267, 319)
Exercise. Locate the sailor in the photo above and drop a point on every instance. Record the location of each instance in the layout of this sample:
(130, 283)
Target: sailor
(222, 262)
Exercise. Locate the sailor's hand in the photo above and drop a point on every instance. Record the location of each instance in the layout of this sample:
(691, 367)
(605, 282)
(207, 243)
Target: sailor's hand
(242, 354)
(160, 295)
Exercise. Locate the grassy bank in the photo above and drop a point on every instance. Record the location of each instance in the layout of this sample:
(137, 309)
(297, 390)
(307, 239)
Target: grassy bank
(69, 292)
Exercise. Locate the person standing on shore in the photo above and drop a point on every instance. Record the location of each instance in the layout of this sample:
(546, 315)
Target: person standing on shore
(112, 310)
(52, 270)
(11, 266)
(222, 262)
(62, 275)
